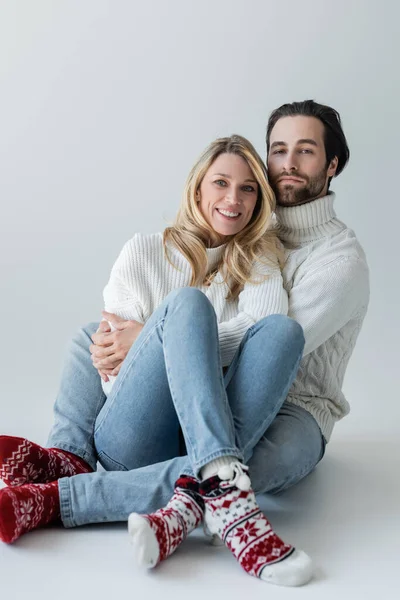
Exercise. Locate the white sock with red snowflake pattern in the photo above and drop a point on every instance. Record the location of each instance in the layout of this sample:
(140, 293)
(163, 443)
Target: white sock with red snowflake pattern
(231, 512)
(156, 536)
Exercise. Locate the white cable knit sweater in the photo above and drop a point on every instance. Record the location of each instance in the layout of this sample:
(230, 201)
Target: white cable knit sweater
(142, 277)
(326, 277)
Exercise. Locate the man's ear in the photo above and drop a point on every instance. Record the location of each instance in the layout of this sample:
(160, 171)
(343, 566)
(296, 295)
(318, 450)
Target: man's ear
(333, 166)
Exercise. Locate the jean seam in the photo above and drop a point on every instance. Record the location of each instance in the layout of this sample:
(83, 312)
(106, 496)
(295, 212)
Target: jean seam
(218, 454)
(90, 443)
(65, 502)
(116, 462)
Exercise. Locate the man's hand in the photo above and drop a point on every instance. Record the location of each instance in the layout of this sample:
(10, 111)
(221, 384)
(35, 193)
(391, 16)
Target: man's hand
(111, 347)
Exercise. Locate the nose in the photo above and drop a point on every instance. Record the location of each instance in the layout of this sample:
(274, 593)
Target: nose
(290, 162)
(233, 196)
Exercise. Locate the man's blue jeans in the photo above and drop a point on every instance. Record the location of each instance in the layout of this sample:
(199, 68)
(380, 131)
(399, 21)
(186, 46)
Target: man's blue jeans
(171, 379)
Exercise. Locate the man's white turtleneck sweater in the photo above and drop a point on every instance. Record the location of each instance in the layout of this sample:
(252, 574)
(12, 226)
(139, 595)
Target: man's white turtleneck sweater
(327, 280)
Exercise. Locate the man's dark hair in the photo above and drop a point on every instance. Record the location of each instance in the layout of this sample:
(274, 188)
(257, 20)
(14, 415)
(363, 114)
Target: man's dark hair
(334, 138)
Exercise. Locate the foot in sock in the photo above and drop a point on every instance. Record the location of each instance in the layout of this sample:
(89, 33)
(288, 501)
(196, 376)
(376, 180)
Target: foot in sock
(22, 462)
(232, 513)
(27, 507)
(157, 535)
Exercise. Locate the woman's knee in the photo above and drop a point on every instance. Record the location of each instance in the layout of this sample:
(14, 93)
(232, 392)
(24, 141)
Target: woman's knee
(189, 299)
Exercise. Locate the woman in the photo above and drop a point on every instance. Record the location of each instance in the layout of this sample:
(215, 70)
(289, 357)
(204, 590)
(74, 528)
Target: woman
(203, 293)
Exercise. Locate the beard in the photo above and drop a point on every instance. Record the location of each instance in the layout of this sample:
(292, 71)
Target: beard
(292, 195)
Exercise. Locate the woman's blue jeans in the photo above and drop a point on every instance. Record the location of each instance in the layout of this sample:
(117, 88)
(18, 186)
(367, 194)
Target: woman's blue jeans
(171, 379)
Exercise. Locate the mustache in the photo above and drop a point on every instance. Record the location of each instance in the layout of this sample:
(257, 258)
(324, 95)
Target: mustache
(296, 175)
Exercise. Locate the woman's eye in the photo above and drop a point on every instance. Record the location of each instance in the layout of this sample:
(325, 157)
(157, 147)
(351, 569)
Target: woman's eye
(220, 182)
(248, 188)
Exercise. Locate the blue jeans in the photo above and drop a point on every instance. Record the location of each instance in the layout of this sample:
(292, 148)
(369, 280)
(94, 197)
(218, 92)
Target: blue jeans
(172, 378)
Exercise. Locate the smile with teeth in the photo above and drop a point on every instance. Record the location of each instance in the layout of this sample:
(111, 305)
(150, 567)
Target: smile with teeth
(228, 213)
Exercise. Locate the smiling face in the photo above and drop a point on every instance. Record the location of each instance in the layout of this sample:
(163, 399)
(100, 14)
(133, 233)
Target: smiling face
(227, 196)
(297, 167)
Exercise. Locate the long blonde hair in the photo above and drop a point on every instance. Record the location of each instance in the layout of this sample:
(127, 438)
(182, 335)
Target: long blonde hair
(191, 234)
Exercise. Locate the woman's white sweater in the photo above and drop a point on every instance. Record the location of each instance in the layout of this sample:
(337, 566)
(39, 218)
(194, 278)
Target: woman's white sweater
(142, 277)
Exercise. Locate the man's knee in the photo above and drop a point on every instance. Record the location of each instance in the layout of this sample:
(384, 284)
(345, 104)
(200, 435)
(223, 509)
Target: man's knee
(83, 336)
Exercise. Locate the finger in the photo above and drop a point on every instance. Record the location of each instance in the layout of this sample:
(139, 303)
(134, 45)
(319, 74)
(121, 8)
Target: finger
(107, 372)
(116, 370)
(118, 322)
(111, 317)
(104, 327)
(106, 363)
(100, 352)
(103, 339)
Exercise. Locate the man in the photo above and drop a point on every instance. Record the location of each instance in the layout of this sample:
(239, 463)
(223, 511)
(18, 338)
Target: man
(326, 277)
(325, 274)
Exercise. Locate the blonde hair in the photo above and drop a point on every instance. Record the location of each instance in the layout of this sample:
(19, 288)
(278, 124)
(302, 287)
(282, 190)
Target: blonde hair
(191, 234)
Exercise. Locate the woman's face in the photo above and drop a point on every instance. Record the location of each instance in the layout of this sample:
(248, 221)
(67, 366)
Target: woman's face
(227, 196)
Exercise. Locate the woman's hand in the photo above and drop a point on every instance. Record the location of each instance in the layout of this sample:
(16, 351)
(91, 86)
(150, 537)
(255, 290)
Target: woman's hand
(104, 327)
(111, 347)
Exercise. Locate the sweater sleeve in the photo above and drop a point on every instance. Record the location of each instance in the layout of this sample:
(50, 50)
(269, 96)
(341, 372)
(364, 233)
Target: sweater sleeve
(324, 300)
(120, 296)
(255, 302)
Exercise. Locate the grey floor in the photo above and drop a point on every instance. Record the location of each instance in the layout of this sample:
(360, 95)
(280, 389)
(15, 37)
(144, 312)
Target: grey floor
(345, 515)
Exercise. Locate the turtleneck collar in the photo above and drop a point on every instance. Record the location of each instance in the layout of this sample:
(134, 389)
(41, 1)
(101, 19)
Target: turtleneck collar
(308, 222)
(214, 255)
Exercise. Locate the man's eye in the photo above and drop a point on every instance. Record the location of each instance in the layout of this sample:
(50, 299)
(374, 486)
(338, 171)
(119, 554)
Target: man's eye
(306, 151)
(278, 152)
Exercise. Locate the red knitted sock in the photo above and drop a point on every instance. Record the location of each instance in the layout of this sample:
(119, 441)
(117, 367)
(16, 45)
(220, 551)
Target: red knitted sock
(22, 461)
(27, 507)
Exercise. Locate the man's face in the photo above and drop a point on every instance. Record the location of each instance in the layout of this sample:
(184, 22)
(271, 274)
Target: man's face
(297, 167)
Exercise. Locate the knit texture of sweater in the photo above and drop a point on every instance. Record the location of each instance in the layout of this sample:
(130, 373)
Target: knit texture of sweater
(327, 280)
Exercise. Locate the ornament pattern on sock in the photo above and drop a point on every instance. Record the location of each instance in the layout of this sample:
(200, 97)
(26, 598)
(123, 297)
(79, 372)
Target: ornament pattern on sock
(23, 462)
(236, 518)
(27, 507)
(157, 535)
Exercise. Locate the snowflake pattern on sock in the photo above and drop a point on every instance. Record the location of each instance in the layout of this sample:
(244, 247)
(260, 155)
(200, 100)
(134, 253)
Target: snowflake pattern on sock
(236, 518)
(173, 523)
(23, 462)
(27, 507)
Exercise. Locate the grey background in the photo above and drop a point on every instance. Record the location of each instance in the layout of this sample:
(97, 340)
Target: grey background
(104, 106)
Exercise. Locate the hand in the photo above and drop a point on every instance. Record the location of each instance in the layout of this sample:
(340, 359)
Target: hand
(104, 327)
(110, 348)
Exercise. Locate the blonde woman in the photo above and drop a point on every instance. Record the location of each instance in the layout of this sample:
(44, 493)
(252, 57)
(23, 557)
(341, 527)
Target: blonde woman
(210, 353)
